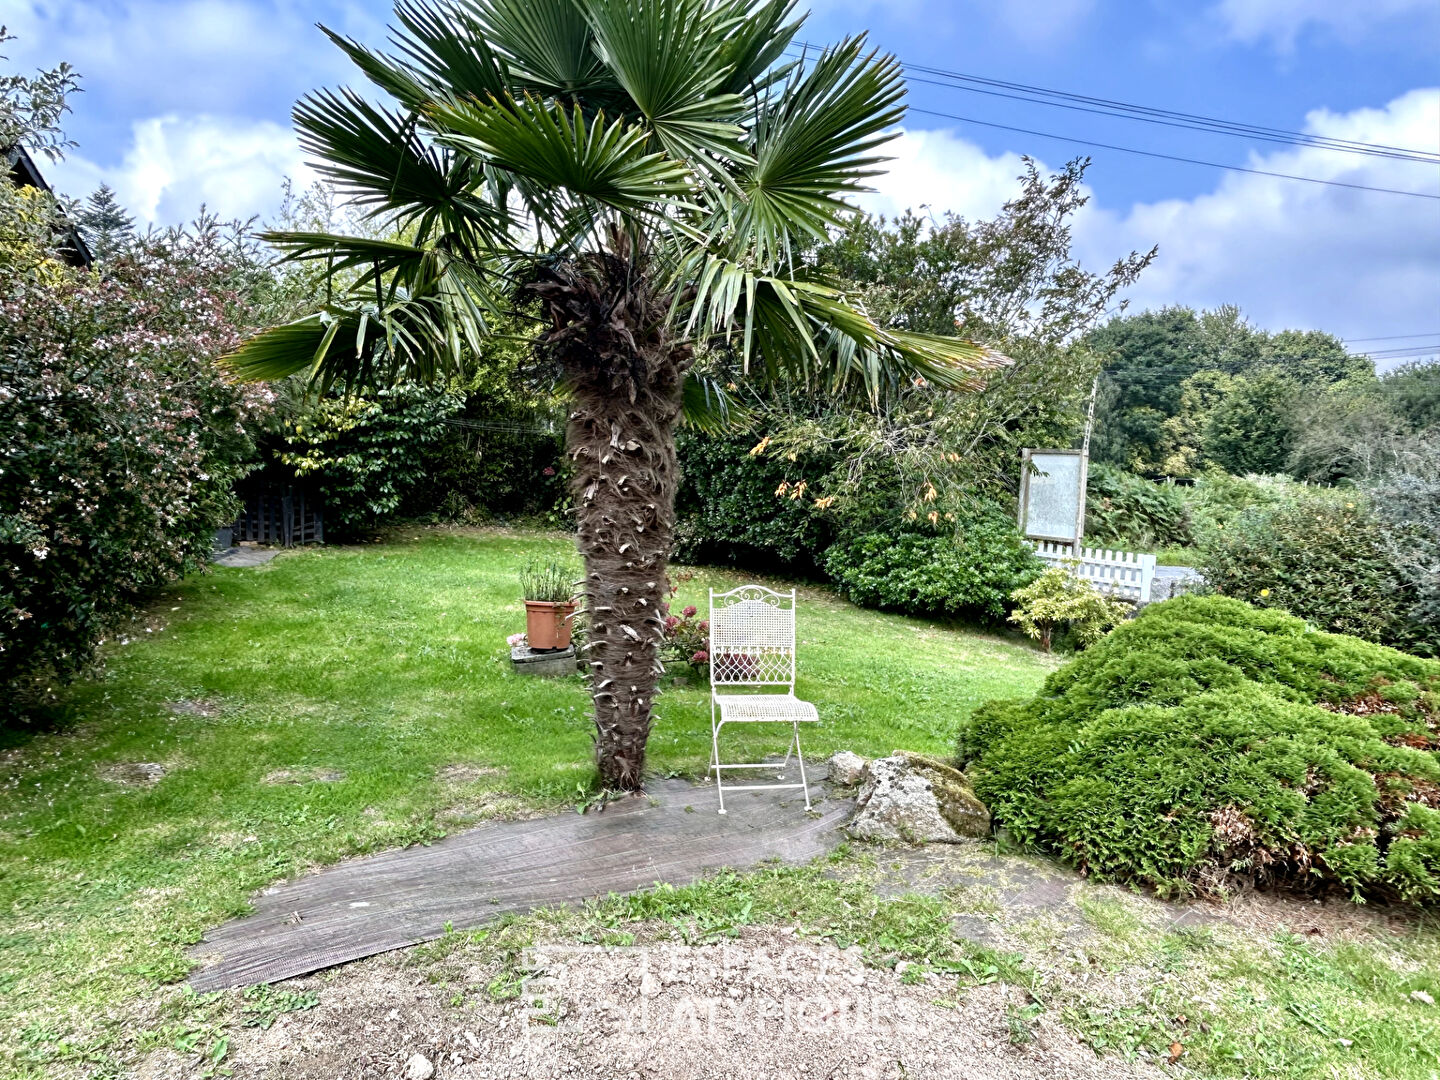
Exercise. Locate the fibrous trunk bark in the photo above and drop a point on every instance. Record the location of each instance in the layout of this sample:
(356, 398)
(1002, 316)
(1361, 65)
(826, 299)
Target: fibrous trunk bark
(625, 372)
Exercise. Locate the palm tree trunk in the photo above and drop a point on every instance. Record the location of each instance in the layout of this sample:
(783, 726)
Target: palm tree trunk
(609, 333)
(625, 480)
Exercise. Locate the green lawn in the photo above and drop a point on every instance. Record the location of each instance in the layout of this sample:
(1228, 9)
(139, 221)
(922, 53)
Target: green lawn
(382, 670)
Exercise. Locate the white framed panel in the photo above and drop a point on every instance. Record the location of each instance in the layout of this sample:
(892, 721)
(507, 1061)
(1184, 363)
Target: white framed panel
(1052, 495)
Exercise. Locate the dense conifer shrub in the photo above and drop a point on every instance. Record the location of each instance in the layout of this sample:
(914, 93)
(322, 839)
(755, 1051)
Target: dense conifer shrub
(1209, 743)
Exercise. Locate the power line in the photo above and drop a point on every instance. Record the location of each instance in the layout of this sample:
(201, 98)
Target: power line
(1041, 95)
(1176, 157)
(1393, 337)
(1186, 121)
(1229, 128)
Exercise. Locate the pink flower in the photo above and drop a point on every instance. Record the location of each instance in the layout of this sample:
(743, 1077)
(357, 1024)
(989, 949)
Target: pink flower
(689, 611)
(547, 471)
(671, 622)
(704, 626)
(700, 657)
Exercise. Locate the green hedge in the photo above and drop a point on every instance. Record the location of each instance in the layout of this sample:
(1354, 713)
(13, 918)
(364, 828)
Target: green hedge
(1322, 555)
(1208, 743)
(731, 508)
(970, 572)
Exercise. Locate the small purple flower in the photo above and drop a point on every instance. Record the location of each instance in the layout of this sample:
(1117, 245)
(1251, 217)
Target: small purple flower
(671, 622)
(700, 657)
(703, 626)
(547, 471)
(689, 611)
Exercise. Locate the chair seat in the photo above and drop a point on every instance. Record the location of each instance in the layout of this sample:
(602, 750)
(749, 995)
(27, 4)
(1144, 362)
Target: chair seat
(760, 707)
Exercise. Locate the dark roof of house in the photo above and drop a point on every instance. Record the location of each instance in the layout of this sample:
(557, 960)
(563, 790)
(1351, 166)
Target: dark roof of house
(25, 173)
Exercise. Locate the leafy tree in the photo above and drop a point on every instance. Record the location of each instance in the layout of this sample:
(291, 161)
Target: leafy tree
(33, 106)
(1170, 377)
(1251, 429)
(1147, 358)
(644, 171)
(106, 226)
(31, 109)
(1413, 391)
(1012, 280)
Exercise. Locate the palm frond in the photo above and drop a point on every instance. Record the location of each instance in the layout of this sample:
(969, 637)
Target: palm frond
(756, 43)
(446, 46)
(814, 140)
(282, 350)
(547, 44)
(707, 405)
(563, 152)
(669, 57)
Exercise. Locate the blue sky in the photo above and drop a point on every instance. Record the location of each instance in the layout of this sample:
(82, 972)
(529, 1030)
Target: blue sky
(187, 101)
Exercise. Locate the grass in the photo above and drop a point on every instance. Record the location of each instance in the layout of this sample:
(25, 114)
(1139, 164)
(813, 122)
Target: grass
(337, 702)
(1177, 556)
(360, 676)
(1240, 1004)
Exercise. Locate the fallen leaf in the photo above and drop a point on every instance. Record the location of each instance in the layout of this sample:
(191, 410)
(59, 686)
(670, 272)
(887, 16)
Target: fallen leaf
(1176, 1049)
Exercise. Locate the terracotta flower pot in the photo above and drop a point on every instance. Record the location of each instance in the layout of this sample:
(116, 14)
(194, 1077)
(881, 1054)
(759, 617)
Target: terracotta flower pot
(547, 624)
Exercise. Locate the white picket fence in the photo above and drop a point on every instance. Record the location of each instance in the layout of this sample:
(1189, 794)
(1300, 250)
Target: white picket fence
(1126, 574)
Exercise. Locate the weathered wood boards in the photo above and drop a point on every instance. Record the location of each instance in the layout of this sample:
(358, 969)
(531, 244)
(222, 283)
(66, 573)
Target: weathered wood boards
(403, 897)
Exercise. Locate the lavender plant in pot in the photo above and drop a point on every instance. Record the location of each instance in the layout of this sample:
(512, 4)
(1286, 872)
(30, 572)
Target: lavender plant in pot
(548, 586)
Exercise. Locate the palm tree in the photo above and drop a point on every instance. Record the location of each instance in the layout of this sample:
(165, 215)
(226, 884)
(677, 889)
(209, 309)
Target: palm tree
(643, 173)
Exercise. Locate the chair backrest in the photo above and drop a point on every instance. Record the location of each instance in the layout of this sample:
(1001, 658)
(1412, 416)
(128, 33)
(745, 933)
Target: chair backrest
(752, 637)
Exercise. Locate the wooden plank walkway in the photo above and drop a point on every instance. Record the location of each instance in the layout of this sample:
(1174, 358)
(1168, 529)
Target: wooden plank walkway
(404, 897)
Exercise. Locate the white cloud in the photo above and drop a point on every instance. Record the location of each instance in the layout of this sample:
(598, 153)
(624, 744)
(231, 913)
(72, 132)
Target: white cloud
(1357, 263)
(176, 163)
(1282, 21)
(940, 170)
(152, 57)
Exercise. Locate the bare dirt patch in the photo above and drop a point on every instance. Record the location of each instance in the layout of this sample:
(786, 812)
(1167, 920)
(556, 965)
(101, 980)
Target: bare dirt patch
(466, 773)
(134, 773)
(204, 707)
(768, 1004)
(304, 776)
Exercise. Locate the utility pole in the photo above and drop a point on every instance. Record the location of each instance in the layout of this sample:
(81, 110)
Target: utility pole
(1090, 417)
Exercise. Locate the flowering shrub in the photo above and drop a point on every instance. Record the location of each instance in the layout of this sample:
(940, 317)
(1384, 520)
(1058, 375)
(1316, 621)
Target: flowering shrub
(121, 441)
(687, 637)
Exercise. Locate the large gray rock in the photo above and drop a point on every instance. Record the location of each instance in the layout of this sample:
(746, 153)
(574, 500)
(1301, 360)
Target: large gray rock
(847, 768)
(917, 799)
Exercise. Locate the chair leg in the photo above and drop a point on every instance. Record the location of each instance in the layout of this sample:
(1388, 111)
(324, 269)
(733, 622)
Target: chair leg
(800, 760)
(794, 742)
(715, 760)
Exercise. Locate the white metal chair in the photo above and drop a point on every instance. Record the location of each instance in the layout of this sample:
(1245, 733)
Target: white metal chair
(752, 645)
